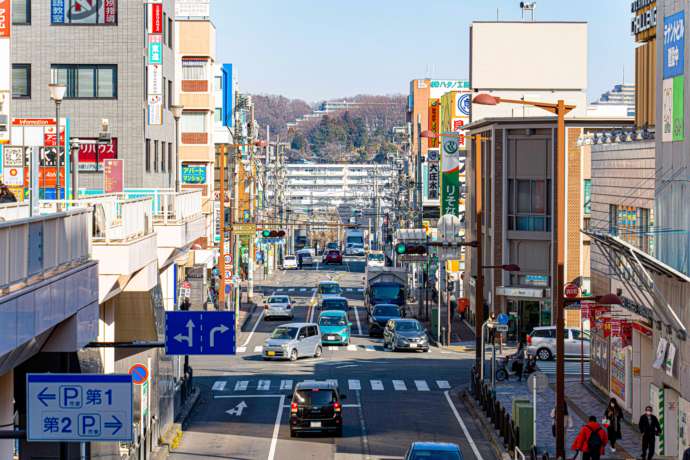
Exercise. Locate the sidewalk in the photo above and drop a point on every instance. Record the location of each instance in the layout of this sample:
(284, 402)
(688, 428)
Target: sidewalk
(582, 403)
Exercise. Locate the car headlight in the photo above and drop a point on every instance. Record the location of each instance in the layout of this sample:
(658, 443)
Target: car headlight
(423, 338)
(284, 346)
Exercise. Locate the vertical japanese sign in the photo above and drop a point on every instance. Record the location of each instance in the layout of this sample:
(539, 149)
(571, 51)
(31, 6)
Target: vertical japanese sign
(678, 108)
(450, 178)
(673, 85)
(674, 44)
(434, 107)
(154, 28)
(432, 159)
(113, 176)
(5, 18)
(155, 49)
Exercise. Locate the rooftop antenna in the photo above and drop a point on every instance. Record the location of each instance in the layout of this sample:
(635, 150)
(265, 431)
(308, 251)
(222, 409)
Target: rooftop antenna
(528, 9)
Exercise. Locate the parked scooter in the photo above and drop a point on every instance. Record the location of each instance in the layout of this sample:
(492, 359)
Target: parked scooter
(505, 367)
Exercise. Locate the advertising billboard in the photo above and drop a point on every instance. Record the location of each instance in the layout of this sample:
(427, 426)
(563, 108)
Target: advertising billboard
(83, 12)
(450, 177)
(113, 176)
(193, 174)
(434, 121)
(674, 44)
(91, 156)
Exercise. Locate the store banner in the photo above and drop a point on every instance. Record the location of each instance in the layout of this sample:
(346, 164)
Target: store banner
(450, 177)
(678, 108)
(5, 19)
(113, 176)
(667, 110)
(155, 49)
(193, 174)
(155, 77)
(432, 158)
(674, 45)
(670, 358)
(91, 156)
(660, 353)
(83, 12)
(434, 121)
(155, 19)
(155, 109)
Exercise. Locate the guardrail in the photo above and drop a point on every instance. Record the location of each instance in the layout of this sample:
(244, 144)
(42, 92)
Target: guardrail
(35, 245)
(11, 211)
(499, 416)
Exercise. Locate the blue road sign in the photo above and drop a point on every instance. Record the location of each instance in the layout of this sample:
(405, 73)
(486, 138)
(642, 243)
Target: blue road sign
(199, 333)
(139, 373)
(503, 318)
(79, 407)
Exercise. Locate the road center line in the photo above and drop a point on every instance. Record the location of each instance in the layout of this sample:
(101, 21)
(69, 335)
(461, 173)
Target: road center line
(256, 324)
(363, 427)
(462, 425)
(276, 428)
(359, 326)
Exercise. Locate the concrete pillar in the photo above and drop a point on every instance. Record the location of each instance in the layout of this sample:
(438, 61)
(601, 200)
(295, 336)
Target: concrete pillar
(6, 412)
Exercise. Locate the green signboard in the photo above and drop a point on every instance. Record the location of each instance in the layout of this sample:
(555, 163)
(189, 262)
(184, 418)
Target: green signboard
(678, 112)
(450, 176)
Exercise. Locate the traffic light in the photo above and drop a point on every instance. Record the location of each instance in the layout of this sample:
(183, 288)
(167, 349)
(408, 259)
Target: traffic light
(273, 233)
(404, 249)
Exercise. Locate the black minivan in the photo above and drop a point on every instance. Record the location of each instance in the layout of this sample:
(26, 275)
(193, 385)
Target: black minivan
(316, 406)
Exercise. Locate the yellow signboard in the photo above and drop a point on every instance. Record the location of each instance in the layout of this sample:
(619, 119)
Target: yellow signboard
(244, 229)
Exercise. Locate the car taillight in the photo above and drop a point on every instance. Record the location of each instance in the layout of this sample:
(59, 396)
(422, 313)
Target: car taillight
(336, 407)
(529, 340)
(289, 306)
(293, 408)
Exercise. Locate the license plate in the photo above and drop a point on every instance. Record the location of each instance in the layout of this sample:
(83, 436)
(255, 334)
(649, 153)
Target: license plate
(413, 345)
(271, 353)
(330, 337)
(315, 424)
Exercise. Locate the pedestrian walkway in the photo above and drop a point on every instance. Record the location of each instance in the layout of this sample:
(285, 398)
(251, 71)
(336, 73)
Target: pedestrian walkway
(581, 404)
(572, 368)
(399, 384)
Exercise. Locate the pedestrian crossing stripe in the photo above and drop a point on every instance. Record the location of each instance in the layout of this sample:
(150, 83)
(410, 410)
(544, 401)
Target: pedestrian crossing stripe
(398, 384)
(241, 349)
(258, 349)
(571, 367)
(302, 289)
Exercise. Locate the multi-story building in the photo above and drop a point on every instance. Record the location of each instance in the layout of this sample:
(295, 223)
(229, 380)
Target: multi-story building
(617, 102)
(93, 55)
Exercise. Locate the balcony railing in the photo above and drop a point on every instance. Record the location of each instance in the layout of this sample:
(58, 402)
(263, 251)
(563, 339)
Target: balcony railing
(38, 245)
(177, 207)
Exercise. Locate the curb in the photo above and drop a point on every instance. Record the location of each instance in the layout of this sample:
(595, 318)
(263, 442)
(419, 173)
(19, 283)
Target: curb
(188, 406)
(487, 428)
(170, 440)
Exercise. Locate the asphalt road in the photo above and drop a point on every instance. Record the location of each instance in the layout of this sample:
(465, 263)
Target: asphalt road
(392, 399)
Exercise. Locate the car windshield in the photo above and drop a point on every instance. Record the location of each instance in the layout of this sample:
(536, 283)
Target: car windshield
(315, 397)
(376, 257)
(386, 292)
(434, 455)
(386, 310)
(283, 333)
(289, 257)
(408, 326)
(330, 288)
(332, 321)
(335, 304)
(280, 299)
(332, 245)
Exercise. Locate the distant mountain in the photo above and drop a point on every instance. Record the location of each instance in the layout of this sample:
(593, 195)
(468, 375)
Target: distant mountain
(353, 129)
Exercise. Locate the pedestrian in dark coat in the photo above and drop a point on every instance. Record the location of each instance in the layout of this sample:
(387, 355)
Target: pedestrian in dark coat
(650, 429)
(613, 415)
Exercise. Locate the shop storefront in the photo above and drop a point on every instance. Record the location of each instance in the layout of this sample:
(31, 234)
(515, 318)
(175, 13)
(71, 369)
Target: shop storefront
(527, 308)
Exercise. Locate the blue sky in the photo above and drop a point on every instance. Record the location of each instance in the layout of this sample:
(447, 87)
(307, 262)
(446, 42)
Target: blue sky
(326, 49)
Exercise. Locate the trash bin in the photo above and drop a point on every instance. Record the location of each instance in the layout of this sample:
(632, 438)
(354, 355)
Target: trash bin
(523, 417)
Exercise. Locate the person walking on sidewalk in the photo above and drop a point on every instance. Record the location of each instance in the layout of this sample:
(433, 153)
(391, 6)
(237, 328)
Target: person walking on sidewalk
(567, 420)
(612, 421)
(519, 360)
(591, 440)
(650, 429)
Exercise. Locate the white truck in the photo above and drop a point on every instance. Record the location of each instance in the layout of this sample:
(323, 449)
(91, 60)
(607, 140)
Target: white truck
(355, 242)
(385, 285)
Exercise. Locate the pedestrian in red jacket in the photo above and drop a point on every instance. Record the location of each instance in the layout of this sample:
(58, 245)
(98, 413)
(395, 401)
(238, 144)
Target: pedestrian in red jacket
(591, 440)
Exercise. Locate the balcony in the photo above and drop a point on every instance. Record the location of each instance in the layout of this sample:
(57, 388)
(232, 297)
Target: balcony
(48, 284)
(197, 100)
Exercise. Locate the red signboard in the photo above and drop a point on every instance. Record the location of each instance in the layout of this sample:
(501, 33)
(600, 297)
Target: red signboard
(49, 136)
(109, 11)
(5, 21)
(113, 176)
(157, 18)
(571, 290)
(92, 155)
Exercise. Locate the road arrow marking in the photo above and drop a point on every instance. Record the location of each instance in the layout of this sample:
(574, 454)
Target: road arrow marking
(189, 338)
(116, 423)
(212, 335)
(238, 409)
(43, 396)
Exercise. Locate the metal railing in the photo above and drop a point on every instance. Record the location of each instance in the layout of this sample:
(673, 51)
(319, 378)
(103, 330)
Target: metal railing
(36, 245)
(172, 207)
(11, 211)
(498, 415)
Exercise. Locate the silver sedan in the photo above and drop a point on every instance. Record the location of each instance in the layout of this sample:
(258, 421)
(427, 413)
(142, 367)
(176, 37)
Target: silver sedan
(278, 306)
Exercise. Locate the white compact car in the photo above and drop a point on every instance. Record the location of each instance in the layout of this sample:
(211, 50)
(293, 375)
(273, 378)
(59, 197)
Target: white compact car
(289, 262)
(541, 342)
(278, 306)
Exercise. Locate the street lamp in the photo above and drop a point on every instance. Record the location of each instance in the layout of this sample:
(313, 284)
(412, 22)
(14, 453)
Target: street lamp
(57, 94)
(560, 109)
(177, 114)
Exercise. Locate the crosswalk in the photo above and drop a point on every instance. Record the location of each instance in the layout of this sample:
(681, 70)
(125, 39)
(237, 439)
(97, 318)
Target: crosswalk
(398, 385)
(330, 348)
(571, 367)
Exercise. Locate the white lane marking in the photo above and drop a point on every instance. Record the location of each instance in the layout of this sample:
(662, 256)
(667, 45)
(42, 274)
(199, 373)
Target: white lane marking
(263, 385)
(241, 349)
(256, 323)
(359, 325)
(291, 290)
(352, 347)
(354, 385)
(376, 385)
(241, 385)
(421, 385)
(258, 349)
(399, 385)
(347, 365)
(246, 396)
(477, 455)
(349, 289)
(302, 289)
(276, 428)
(369, 348)
(219, 385)
(360, 289)
(286, 384)
(333, 348)
(443, 384)
(363, 427)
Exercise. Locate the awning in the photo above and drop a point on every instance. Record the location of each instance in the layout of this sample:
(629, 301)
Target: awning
(632, 267)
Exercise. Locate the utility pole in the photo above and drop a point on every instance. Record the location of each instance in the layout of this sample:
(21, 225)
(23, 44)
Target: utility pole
(221, 262)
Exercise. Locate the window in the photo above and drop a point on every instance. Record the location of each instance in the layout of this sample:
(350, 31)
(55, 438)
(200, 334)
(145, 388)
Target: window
(529, 207)
(147, 158)
(21, 80)
(172, 167)
(218, 115)
(218, 83)
(163, 157)
(85, 81)
(155, 156)
(170, 93)
(79, 12)
(544, 333)
(164, 27)
(193, 122)
(21, 12)
(170, 32)
(613, 219)
(193, 69)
